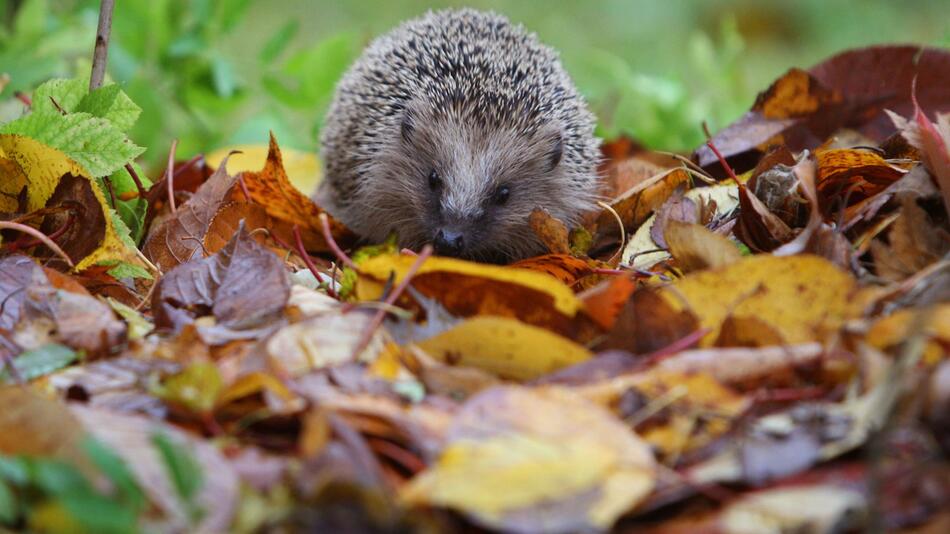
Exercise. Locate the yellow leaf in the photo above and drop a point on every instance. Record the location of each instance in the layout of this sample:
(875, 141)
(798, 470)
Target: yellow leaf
(253, 383)
(43, 168)
(539, 459)
(376, 271)
(894, 329)
(803, 298)
(303, 168)
(505, 347)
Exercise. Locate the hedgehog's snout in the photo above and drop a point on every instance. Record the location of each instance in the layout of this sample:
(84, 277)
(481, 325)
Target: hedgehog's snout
(449, 242)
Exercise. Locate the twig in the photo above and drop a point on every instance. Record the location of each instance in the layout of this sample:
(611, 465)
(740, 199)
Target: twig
(7, 225)
(328, 237)
(101, 51)
(722, 160)
(623, 231)
(390, 300)
(135, 178)
(309, 262)
(170, 175)
(22, 97)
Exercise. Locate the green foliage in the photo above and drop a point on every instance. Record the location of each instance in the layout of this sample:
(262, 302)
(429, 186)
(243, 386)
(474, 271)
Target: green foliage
(94, 143)
(50, 495)
(41, 361)
(183, 470)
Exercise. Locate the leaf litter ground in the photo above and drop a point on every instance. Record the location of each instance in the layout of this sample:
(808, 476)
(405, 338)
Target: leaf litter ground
(751, 339)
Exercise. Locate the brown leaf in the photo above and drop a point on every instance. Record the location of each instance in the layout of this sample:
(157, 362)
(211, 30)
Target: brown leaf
(287, 206)
(852, 88)
(82, 217)
(676, 208)
(914, 242)
(179, 237)
(638, 203)
(550, 231)
(564, 267)
(648, 323)
(760, 229)
(696, 248)
(604, 302)
(244, 286)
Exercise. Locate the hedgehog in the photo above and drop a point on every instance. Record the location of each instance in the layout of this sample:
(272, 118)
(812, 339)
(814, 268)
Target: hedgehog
(450, 130)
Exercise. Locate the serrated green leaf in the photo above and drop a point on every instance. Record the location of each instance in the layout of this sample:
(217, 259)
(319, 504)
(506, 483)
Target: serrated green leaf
(66, 92)
(111, 103)
(41, 361)
(121, 269)
(14, 469)
(94, 143)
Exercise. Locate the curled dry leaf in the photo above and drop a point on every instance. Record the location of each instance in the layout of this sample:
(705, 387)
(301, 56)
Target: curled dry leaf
(244, 286)
(636, 204)
(914, 242)
(180, 237)
(543, 460)
(695, 248)
(715, 202)
(552, 232)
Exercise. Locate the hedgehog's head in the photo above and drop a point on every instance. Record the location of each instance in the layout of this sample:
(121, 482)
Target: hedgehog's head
(467, 182)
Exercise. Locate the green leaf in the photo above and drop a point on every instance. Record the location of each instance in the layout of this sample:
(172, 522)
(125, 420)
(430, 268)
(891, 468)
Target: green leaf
(66, 92)
(114, 467)
(121, 269)
(222, 74)
(139, 326)
(56, 477)
(96, 513)
(9, 510)
(111, 103)
(41, 361)
(31, 17)
(279, 41)
(94, 143)
(14, 469)
(183, 469)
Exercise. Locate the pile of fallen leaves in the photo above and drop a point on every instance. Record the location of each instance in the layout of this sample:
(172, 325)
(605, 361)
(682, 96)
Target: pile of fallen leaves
(751, 339)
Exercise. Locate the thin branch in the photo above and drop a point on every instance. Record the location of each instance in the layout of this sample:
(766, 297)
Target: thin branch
(328, 237)
(7, 225)
(377, 319)
(170, 176)
(101, 51)
(302, 251)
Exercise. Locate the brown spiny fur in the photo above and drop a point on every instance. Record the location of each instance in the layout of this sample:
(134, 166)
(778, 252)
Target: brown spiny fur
(480, 102)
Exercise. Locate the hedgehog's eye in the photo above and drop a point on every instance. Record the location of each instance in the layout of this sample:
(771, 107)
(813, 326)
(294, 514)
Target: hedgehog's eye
(500, 196)
(435, 182)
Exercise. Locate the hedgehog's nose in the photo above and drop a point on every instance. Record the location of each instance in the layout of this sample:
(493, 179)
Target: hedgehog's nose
(448, 243)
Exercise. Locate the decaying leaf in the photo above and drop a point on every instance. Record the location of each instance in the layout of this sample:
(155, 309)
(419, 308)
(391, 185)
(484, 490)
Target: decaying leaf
(243, 286)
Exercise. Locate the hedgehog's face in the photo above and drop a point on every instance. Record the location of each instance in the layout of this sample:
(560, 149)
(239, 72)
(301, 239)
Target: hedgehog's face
(471, 188)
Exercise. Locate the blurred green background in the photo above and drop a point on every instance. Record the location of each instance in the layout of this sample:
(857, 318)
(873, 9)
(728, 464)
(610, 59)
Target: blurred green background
(220, 72)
